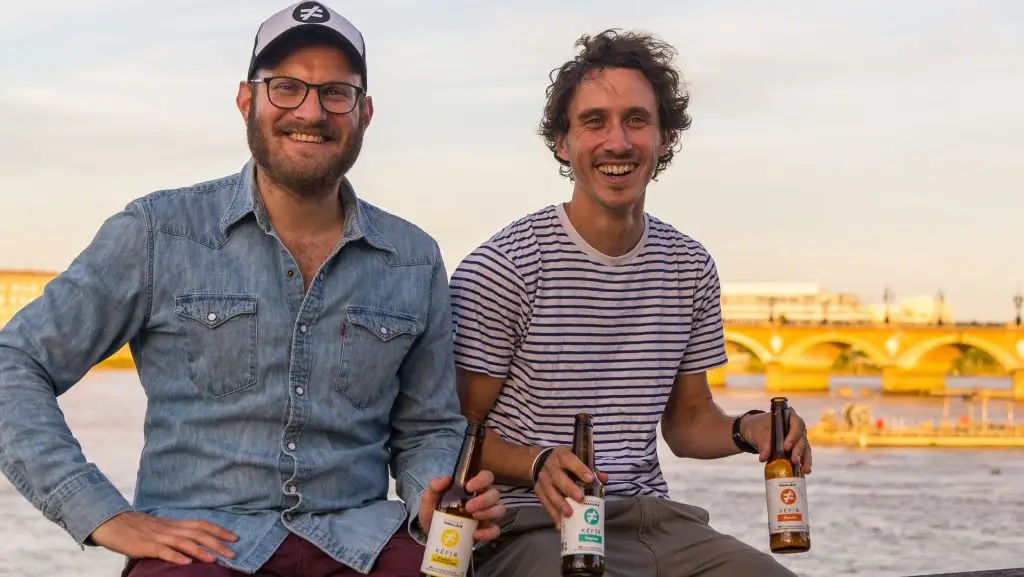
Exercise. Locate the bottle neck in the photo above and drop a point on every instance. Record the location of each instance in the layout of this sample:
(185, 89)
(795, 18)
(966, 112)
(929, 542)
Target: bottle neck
(583, 444)
(780, 428)
(469, 456)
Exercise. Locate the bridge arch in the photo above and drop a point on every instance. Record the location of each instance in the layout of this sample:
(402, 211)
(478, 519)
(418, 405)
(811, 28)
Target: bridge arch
(913, 355)
(795, 352)
(760, 351)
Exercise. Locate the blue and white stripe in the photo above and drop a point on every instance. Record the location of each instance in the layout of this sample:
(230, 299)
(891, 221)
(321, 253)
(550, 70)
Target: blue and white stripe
(572, 330)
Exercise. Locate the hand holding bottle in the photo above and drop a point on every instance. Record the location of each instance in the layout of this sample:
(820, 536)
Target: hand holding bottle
(485, 507)
(554, 484)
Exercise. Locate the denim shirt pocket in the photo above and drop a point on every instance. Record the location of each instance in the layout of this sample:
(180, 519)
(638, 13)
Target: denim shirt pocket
(374, 344)
(220, 341)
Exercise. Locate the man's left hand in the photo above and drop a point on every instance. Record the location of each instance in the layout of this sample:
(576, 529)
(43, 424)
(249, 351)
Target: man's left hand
(485, 507)
(757, 430)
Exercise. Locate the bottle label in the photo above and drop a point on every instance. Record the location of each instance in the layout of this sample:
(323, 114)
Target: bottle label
(449, 546)
(583, 532)
(787, 505)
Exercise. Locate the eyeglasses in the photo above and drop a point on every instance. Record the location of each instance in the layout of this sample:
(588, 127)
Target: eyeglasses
(290, 93)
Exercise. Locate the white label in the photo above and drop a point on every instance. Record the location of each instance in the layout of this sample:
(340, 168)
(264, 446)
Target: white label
(583, 532)
(449, 546)
(787, 505)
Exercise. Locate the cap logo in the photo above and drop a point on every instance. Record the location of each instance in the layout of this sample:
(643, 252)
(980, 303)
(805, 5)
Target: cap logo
(310, 12)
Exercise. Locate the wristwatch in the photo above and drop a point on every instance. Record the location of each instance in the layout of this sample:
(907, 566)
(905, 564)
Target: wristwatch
(737, 438)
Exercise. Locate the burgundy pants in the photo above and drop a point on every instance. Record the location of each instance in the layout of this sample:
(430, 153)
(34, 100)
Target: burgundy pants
(401, 557)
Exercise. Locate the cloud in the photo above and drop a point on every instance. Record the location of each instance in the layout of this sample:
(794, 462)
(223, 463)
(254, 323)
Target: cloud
(838, 142)
(31, 14)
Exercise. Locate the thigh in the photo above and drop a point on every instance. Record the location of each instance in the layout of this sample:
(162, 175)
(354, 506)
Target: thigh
(626, 555)
(529, 546)
(401, 557)
(686, 545)
(161, 568)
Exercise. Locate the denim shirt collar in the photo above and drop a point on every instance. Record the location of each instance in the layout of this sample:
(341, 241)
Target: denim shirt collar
(245, 201)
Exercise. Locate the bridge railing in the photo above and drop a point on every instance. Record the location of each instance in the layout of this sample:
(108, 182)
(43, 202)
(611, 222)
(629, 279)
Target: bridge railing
(873, 324)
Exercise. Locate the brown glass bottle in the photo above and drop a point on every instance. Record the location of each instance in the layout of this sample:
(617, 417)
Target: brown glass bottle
(449, 546)
(583, 533)
(785, 490)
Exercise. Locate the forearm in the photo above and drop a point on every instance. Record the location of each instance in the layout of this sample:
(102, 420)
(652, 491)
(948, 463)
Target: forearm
(427, 456)
(39, 455)
(421, 455)
(707, 434)
(510, 463)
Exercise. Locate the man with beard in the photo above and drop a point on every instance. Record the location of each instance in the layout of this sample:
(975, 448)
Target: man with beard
(594, 306)
(293, 341)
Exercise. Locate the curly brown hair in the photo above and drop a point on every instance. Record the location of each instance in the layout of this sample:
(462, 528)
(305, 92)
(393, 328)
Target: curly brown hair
(614, 49)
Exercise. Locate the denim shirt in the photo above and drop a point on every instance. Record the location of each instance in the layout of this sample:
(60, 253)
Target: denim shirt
(269, 410)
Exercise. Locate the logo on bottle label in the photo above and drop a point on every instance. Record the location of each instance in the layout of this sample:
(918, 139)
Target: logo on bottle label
(583, 532)
(787, 505)
(449, 546)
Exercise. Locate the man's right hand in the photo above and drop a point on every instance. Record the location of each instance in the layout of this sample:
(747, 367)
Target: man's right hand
(137, 535)
(554, 486)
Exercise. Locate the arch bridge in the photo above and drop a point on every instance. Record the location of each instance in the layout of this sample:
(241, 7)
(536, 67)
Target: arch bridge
(910, 359)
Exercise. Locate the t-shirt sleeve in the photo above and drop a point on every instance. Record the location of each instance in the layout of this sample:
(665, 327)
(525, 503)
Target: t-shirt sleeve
(488, 309)
(706, 349)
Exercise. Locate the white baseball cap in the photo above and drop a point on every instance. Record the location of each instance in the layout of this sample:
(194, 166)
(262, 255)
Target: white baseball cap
(314, 20)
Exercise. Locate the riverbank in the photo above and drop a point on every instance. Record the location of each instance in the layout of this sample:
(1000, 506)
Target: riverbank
(871, 512)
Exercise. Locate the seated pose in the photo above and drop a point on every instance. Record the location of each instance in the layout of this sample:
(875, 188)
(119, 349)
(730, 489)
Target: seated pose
(594, 306)
(294, 343)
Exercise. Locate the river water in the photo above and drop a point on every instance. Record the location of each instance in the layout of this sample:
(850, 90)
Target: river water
(878, 513)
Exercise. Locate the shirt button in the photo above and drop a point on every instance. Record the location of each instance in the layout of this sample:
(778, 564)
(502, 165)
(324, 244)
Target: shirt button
(290, 273)
(383, 330)
(291, 446)
(292, 489)
(302, 328)
(211, 317)
(300, 391)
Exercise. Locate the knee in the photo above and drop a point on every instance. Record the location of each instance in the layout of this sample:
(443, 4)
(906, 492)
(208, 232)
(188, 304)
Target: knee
(528, 555)
(760, 564)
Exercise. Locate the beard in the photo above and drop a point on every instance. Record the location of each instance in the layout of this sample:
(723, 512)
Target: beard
(304, 181)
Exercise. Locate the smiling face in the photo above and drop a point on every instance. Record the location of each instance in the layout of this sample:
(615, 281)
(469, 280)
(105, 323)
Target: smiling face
(306, 150)
(613, 142)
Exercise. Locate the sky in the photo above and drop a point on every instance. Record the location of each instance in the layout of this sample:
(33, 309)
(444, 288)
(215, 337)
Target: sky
(858, 145)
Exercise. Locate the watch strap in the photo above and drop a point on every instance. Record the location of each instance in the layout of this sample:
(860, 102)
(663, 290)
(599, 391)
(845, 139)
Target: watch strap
(738, 439)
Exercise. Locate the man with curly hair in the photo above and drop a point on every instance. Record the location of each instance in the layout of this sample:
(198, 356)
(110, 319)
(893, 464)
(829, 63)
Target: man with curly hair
(594, 306)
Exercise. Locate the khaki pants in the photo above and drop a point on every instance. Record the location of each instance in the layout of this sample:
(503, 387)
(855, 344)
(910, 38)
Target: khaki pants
(646, 537)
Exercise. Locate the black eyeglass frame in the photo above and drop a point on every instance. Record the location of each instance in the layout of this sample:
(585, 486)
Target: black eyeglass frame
(360, 92)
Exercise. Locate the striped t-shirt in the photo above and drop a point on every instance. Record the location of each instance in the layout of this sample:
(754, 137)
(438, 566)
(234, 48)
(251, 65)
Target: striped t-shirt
(572, 330)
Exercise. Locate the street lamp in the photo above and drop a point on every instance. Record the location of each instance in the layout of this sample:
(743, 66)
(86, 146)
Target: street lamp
(771, 309)
(942, 308)
(886, 297)
(1018, 300)
(824, 310)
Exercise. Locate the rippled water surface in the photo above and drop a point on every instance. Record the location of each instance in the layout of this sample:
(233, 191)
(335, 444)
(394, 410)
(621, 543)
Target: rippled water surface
(876, 513)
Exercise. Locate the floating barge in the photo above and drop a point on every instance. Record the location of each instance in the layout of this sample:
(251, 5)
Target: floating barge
(854, 427)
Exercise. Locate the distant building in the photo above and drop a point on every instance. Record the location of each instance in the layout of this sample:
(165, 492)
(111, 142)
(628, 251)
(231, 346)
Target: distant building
(812, 302)
(18, 288)
(741, 301)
